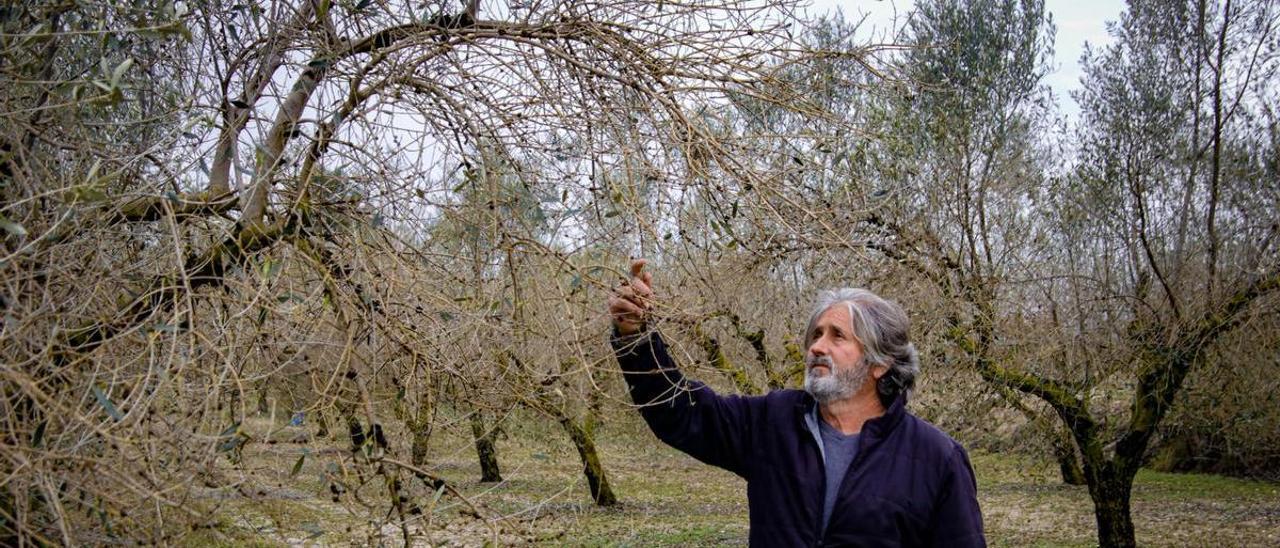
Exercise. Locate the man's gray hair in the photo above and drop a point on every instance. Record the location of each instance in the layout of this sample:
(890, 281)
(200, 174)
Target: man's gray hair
(881, 326)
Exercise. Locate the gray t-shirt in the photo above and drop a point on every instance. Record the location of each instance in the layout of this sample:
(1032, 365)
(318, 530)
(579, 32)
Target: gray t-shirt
(839, 451)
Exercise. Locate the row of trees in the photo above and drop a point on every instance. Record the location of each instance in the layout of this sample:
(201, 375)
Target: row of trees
(393, 216)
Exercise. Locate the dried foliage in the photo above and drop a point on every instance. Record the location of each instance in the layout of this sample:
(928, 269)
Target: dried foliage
(343, 209)
(390, 218)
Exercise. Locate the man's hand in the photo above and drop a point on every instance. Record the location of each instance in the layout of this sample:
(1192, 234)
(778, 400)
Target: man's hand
(630, 302)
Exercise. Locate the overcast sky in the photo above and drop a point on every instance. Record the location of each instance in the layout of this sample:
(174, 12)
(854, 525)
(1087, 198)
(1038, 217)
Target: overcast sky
(1078, 22)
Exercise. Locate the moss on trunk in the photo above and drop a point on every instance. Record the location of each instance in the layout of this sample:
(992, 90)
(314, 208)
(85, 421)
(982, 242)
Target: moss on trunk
(583, 440)
(485, 449)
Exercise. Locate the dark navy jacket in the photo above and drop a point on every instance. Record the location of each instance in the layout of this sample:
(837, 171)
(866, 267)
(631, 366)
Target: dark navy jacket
(909, 485)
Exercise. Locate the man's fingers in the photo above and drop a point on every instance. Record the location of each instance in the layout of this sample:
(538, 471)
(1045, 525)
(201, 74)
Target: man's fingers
(639, 275)
(635, 293)
(624, 311)
(637, 265)
(619, 306)
(629, 304)
(641, 288)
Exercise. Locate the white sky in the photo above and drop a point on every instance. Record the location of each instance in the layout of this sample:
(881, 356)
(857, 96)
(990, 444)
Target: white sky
(1078, 22)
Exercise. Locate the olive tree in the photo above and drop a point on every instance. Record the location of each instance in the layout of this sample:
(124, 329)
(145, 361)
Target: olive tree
(204, 197)
(1096, 291)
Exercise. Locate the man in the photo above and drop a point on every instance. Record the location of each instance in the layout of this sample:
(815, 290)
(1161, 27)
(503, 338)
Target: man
(841, 463)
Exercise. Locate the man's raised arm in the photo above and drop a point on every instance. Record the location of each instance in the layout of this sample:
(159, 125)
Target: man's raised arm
(685, 414)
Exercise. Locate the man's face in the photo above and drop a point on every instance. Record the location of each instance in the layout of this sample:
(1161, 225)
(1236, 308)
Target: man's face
(835, 368)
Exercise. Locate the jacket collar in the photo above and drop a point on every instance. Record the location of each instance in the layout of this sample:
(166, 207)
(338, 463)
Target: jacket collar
(879, 427)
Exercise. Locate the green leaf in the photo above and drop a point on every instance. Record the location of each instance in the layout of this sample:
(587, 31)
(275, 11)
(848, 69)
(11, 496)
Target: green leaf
(230, 444)
(102, 516)
(38, 436)
(107, 405)
(313, 530)
(176, 28)
(297, 466)
(12, 227)
(119, 71)
(89, 194)
(93, 169)
(270, 268)
(232, 438)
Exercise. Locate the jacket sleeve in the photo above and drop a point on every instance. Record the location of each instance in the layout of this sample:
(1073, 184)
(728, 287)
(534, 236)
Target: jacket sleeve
(684, 414)
(957, 519)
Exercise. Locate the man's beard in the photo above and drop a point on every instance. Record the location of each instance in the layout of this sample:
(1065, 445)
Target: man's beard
(837, 385)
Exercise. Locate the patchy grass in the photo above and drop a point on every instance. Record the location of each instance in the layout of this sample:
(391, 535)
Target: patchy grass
(1024, 504)
(668, 499)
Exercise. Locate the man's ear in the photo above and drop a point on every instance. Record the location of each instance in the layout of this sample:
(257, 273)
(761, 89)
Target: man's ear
(879, 371)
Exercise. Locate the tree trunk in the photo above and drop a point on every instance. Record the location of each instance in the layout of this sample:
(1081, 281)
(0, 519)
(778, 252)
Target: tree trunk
(485, 449)
(420, 430)
(355, 431)
(1110, 484)
(1111, 508)
(264, 405)
(1068, 464)
(233, 414)
(322, 425)
(591, 467)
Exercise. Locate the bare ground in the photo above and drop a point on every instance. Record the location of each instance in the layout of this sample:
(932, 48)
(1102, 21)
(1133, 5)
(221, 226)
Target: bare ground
(667, 499)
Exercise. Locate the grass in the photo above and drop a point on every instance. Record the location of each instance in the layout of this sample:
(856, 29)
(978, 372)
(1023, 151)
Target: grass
(669, 499)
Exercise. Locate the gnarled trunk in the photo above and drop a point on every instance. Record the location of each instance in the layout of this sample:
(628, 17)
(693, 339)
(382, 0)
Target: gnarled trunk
(584, 440)
(1111, 509)
(1068, 463)
(420, 431)
(485, 449)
